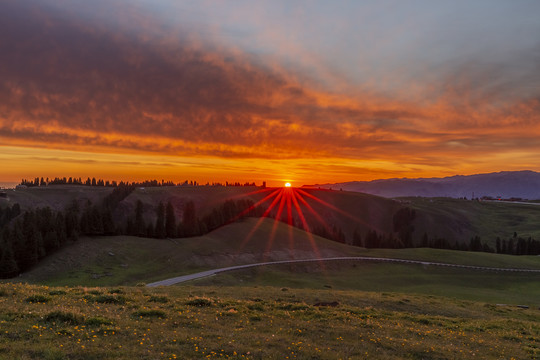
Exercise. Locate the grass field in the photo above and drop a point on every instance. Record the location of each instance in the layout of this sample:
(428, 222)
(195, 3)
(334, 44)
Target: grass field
(487, 286)
(249, 322)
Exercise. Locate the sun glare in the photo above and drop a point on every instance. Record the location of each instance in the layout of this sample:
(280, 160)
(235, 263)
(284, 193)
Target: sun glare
(287, 184)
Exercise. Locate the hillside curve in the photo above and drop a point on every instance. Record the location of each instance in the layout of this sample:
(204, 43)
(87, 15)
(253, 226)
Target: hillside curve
(203, 274)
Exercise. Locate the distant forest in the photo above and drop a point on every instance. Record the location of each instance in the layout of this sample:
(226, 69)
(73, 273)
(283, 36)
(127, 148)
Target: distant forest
(28, 236)
(100, 182)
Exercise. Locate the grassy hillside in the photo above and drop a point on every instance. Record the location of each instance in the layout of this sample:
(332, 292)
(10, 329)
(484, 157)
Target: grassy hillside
(129, 260)
(356, 211)
(453, 219)
(56, 197)
(457, 219)
(205, 199)
(124, 260)
(348, 211)
(256, 323)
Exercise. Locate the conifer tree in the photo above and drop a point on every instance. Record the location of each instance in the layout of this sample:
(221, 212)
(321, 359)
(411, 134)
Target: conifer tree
(170, 221)
(8, 264)
(96, 222)
(60, 227)
(425, 241)
(357, 238)
(16, 238)
(71, 217)
(189, 219)
(140, 227)
(108, 223)
(159, 229)
(33, 242)
(85, 221)
(50, 241)
(150, 231)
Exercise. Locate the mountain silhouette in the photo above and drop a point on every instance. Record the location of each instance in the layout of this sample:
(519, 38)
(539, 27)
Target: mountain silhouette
(506, 184)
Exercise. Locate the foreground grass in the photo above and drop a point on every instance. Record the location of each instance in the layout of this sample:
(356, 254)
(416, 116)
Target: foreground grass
(39, 322)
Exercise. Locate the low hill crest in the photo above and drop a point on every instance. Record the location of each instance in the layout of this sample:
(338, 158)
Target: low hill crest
(523, 184)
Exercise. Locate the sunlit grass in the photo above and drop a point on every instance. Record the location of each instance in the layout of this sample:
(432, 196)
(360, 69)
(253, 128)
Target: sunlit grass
(257, 323)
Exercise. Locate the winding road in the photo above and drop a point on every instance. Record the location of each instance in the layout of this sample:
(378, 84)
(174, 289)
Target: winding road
(203, 274)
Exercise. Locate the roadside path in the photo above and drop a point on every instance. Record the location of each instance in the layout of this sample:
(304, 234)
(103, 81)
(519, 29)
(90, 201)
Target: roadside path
(203, 274)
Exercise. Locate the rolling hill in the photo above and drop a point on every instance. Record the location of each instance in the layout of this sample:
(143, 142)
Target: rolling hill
(127, 260)
(57, 197)
(459, 220)
(456, 220)
(320, 208)
(124, 260)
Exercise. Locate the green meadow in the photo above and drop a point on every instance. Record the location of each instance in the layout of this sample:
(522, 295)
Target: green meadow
(464, 284)
(256, 322)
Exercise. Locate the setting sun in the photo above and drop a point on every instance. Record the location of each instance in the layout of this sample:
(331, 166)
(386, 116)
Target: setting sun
(287, 184)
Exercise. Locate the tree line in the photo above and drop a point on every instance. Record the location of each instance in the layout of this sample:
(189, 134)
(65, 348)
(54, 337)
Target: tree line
(517, 245)
(107, 183)
(511, 246)
(403, 228)
(30, 237)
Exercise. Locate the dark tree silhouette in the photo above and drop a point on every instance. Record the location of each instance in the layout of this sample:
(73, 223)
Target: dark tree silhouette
(403, 225)
(159, 230)
(189, 220)
(140, 227)
(372, 239)
(357, 238)
(72, 221)
(8, 264)
(425, 241)
(170, 221)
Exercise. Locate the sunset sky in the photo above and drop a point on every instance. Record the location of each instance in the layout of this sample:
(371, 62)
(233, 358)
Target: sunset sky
(301, 91)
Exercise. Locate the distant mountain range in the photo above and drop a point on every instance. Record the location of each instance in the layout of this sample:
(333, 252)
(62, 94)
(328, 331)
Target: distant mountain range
(505, 184)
